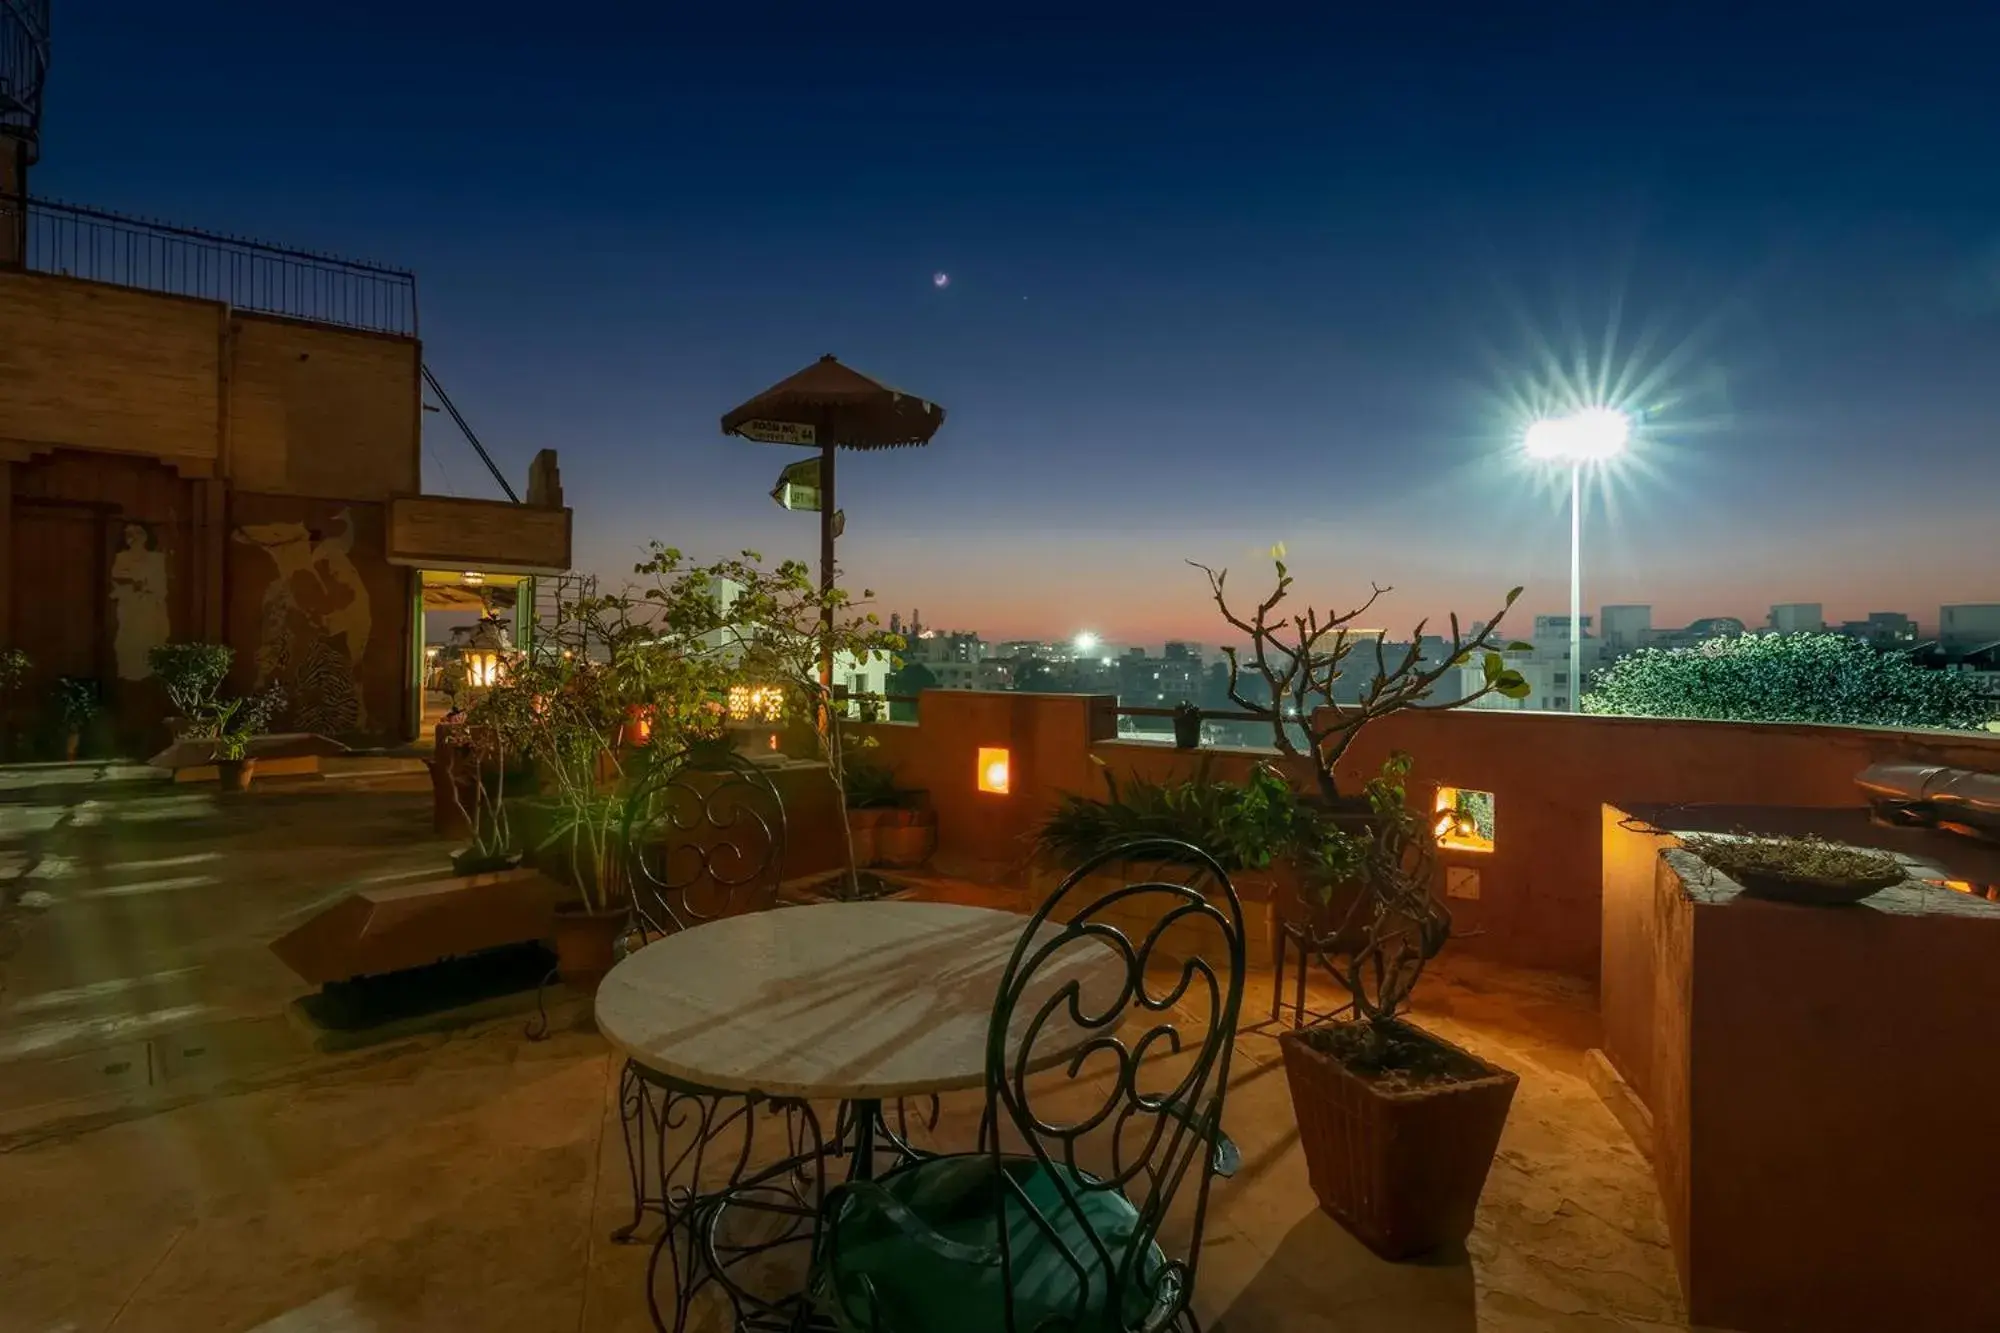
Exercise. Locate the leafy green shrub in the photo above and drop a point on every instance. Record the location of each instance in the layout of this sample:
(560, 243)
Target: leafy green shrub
(78, 700)
(1822, 678)
(235, 721)
(870, 786)
(192, 674)
(14, 668)
(1244, 826)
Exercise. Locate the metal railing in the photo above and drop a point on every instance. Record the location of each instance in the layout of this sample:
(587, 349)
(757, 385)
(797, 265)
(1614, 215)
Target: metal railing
(78, 242)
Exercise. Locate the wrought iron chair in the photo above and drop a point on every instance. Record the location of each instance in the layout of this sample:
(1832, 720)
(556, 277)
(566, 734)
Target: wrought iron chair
(705, 838)
(705, 833)
(1062, 1231)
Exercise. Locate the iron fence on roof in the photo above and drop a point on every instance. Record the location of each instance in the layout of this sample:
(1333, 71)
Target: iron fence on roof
(80, 242)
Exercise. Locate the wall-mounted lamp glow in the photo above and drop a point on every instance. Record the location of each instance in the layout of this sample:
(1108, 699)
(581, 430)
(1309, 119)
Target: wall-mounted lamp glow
(1464, 819)
(993, 770)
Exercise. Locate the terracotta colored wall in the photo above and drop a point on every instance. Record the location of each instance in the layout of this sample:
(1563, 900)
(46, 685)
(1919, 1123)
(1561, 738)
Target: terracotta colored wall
(1625, 987)
(1551, 773)
(1048, 739)
(1833, 1172)
(1541, 888)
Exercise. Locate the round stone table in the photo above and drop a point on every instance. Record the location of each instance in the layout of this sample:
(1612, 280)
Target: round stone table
(861, 1002)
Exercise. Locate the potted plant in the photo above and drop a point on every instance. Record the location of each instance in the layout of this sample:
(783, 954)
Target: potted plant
(231, 725)
(1271, 841)
(1810, 869)
(908, 836)
(1398, 1126)
(14, 669)
(78, 702)
(475, 757)
(779, 627)
(570, 707)
(192, 674)
(872, 801)
(1187, 726)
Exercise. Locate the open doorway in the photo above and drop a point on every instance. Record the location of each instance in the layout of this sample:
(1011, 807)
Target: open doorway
(466, 613)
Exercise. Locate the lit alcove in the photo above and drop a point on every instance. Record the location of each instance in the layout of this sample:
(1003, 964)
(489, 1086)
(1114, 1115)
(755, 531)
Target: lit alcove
(1464, 819)
(992, 770)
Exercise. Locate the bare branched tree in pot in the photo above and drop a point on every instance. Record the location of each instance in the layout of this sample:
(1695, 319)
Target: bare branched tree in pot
(1299, 656)
(1360, 1086)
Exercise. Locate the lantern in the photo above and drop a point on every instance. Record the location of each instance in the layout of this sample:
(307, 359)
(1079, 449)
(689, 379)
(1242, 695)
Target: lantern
(485, 654)
(757, 716)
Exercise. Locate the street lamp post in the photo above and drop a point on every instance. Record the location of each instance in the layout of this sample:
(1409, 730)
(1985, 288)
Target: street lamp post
(1594, 435)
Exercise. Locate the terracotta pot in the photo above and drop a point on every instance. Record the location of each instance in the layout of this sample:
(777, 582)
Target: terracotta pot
(72, 742)
(864, 830)
(1400, 1168)
(235, 774)
(585, 941)
(908, 839)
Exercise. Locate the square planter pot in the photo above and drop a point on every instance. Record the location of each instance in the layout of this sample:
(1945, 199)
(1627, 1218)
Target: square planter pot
(907, 838)
(1401, 1168)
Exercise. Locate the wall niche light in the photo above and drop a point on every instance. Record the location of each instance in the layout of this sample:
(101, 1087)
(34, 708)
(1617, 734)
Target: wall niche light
(1464, 820)
(992, 772)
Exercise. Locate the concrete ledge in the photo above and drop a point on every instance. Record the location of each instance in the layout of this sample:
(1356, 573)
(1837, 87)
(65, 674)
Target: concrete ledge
(190, 759)
(1618, 1098)
(392, 928)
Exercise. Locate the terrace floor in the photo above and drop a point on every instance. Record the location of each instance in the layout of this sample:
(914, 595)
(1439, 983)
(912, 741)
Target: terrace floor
(470, 1180)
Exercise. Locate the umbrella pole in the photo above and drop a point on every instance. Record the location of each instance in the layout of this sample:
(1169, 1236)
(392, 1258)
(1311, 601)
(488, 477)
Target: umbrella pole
(826, 508)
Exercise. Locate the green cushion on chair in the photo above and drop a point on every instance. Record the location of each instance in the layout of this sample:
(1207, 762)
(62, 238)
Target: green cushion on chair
(917, 1252)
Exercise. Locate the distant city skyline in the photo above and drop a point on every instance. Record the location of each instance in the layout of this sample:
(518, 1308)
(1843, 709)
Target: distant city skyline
(1520, 621)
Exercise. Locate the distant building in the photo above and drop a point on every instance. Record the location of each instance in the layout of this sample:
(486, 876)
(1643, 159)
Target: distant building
(1882, 629)
(1557, 627)
(1969, 624)
(1160, 682)
(1626, 629)
(1698, 632)
(980, 675)
(1797, 618)
(1545, 665)
(933, 648)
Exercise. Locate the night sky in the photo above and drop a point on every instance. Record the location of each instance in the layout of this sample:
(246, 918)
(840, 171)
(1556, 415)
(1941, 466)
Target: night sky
(1211, 287)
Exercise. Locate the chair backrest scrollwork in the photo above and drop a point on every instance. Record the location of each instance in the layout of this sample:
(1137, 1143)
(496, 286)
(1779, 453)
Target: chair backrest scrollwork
(705, 834)
(1137, 1108)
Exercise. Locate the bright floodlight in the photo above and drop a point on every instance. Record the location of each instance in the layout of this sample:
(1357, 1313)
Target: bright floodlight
(1086, 643)
(1590, 435)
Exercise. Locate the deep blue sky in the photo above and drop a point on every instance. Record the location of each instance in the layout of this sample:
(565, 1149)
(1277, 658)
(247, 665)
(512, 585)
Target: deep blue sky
(1214, 284)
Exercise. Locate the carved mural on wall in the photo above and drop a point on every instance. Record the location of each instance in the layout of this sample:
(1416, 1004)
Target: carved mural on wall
(314, 623)
(138, 600)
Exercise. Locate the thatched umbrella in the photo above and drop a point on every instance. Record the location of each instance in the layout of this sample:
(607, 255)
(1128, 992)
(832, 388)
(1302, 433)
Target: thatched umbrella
(829, 406)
